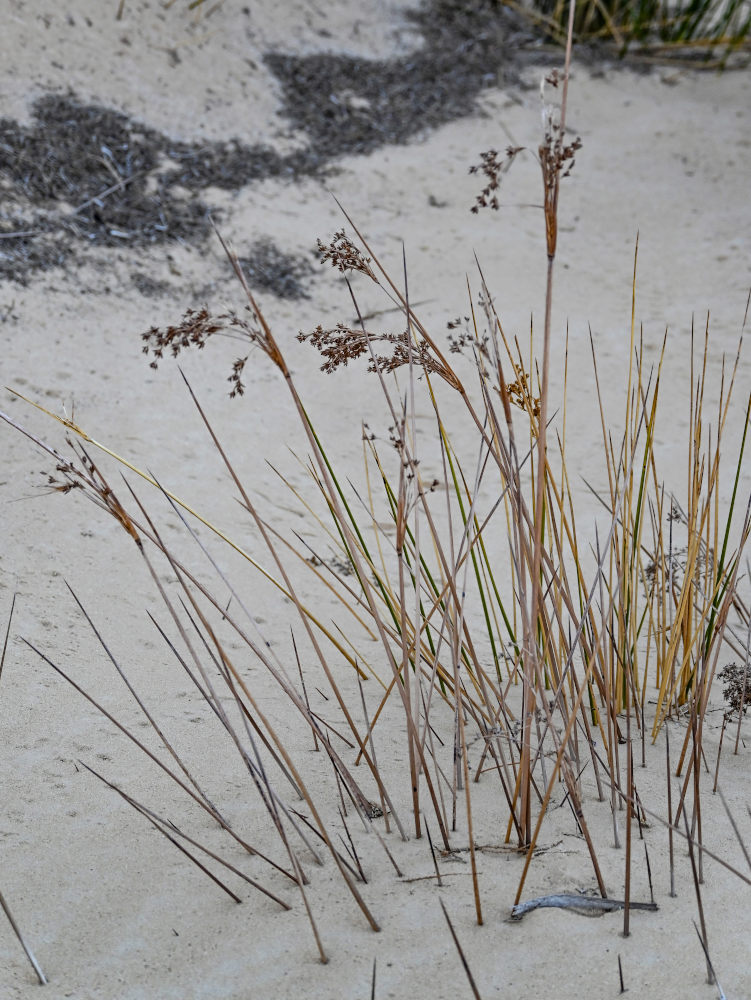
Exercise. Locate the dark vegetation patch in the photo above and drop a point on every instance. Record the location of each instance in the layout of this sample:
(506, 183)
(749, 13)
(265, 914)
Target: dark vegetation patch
(350, 104)
(85, 175)
(148, 286)
(268, 269)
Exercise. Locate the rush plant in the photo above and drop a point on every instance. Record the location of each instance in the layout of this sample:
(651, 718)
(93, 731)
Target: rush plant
(501, 615)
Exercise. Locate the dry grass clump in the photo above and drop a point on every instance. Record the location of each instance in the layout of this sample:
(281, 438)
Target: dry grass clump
(499, 616)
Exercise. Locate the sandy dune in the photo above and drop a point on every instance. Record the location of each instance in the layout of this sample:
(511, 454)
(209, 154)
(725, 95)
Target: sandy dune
(110, 909)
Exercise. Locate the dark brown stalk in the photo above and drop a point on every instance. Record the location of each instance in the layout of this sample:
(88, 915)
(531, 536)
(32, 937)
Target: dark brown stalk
(350, 867)
(462, 741)
(141, 746)
(165, 832)
(465, 963)
(134, 694)
(700, 907)
(719, 752)
(712, 973)
(369, 737)
(404, 670)
(439, 880)
(231, 669)
(384, 845)
(7, 634)
(643, 736)
(746, 662)
(671, 821)
(612, 741)
(551, 162)
(29, 953)
(734, 825)
(311, 635)
(304, 690)
(352, 846)
(649, 872)
(696, 822)
(410, 463)
(629, 813)
(168, 824)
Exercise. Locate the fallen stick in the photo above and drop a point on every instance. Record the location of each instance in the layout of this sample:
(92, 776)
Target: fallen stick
(588, 906)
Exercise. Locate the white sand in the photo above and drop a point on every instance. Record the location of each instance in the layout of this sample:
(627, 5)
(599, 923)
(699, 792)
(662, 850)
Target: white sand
(111, 909)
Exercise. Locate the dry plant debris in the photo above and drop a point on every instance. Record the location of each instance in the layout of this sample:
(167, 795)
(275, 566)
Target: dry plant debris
(736, 687)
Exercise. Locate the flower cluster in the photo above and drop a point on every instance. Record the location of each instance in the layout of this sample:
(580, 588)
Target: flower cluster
(345, 256)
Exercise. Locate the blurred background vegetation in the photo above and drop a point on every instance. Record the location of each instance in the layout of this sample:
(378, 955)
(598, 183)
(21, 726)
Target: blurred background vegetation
(703, 30)
(707, 28)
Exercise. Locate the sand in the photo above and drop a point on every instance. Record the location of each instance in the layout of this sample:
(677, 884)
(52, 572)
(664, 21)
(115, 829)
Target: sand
(110, 908)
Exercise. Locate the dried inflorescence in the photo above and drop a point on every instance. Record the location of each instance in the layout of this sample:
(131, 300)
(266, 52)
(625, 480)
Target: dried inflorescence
(403, 354)
(556, 159)
(235, 377)
(519, 391)
(466, 337)
(345, 256)
(337, 346)
(493, 166)
(520, 394)
(340, 345)
(87, 477)
(736, 688)
(195, 329)
(70, 480)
